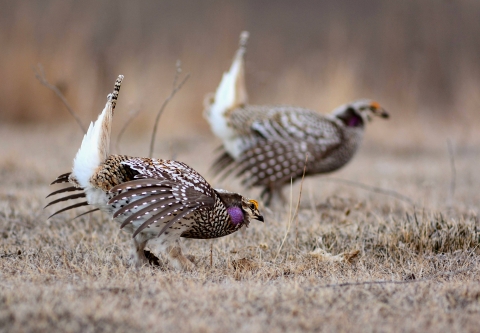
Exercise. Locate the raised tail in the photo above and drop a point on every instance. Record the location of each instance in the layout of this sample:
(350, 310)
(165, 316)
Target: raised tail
(230, 94)
(96, 143)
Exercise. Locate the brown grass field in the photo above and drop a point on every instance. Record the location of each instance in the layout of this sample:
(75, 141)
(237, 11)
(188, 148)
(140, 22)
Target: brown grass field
(417, 267)
(388, 243)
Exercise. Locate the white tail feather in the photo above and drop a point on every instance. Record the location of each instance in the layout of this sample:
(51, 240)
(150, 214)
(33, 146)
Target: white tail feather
(230, 94)
(96, 143)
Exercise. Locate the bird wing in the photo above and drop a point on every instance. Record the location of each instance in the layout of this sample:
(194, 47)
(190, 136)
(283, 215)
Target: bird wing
(272, 162)
(163, 190)
(294, 124)
(278, 142)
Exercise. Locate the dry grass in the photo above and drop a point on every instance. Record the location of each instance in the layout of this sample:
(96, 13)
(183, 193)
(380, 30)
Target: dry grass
(73, 275)
(352, 260)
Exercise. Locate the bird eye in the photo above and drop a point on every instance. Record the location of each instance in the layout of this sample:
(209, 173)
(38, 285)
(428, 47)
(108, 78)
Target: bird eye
(252, 206)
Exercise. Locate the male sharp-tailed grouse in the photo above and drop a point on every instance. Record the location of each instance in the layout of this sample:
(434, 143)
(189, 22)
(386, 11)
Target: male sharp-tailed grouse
(156, 200)
(268, 146)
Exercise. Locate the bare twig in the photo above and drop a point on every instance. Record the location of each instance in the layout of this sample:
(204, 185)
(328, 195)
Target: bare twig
(380, 282)
(40, 75)
(295, 214)
(453, 177)
(289, 221)
(133, 115)
(175, 89)
(298, 202)
(211, 255)
(373, 189)
(363, 283)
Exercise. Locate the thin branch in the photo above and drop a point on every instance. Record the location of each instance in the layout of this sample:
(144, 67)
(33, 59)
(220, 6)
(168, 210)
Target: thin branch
(175, 89)
(298, 202)
(453, 177)
(133, 115)
(289, 221)
(295, 214)
(40, 75)
(211, 255)
(362, 283)
(373, 189)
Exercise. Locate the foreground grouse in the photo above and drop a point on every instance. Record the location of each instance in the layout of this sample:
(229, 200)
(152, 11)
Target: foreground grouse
(157, 201)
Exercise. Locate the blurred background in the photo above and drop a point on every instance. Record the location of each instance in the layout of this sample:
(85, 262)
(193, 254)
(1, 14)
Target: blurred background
(418, 58)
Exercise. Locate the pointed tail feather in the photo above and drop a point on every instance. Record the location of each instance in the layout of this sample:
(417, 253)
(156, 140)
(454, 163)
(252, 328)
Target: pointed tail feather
(114, 96)
(68, 208)
(87, 212)
(231, 93)
(95, 145)
(70, 197)
(62, 190)
(63, 178)
(220, 165)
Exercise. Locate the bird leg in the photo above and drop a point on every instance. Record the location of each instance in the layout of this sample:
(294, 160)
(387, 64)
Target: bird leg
(177, 259)
(139, 258)
(173, 251)
(271, 195)
(266, 196)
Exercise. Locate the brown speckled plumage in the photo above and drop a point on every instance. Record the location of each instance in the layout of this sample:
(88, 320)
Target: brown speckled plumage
(113, 172)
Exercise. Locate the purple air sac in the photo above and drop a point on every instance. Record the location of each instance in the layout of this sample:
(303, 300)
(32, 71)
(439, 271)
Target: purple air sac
(236, 214)
(354, 121)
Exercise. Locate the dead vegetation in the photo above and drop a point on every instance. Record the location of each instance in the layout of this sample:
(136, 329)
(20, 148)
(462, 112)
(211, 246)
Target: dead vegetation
(356, 260)
(389, 243)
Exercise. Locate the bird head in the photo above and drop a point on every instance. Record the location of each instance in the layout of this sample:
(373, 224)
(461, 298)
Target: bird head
(250, 207)
(355, 114)
(240, 209)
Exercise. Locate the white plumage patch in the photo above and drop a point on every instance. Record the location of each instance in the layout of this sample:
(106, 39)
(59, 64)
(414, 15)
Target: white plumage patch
(96, 143)
(230, 94)
(94, 148)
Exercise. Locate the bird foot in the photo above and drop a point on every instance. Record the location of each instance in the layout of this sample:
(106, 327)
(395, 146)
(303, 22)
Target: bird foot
(152, 258)
(178, 260)
(138, 258)
(191, 257)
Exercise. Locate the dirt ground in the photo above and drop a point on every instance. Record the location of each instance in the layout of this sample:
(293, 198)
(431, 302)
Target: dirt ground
(398, 253)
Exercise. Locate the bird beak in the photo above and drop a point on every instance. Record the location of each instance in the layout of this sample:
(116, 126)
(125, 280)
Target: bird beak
(381, 113)
(259, 218)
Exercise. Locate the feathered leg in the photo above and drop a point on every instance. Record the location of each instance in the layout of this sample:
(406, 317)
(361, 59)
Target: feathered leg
(271, 195)
(177, 259)
(139, 258)
(266, 196)
(173, 251)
